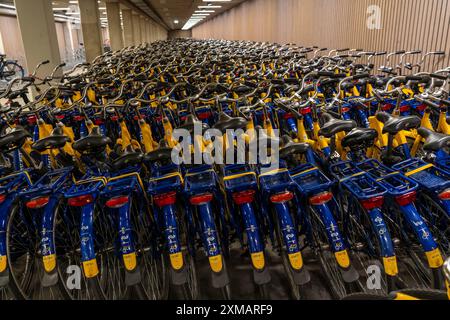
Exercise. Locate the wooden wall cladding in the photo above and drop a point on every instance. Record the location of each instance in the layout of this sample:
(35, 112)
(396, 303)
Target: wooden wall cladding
(405, 24)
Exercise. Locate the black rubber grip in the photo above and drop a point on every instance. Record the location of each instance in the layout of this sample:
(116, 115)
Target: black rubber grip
(28, 79)
(428, 103)
(325, 73)
(361, 76)
(438, 76)
(45, 62)
(400, 52)
(250, 84)
(414, 78)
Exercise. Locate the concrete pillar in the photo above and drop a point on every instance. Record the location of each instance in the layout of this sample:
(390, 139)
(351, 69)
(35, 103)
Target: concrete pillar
(128, 33)
(142, 28)
(136, 29)
(115, 29)
(152, 31)
(147, 30)
(90, 25)
(37, 27)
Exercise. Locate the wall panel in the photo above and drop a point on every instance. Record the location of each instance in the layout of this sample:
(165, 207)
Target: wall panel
(405, 24)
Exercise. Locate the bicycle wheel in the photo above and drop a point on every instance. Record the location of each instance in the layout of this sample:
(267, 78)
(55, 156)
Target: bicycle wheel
(26, 261)
(364, 244)
(295, 290)
(109, 283)
(437, 220)
(189, 290)
(328, 264)
(19, 257)
(417, 273)
(152, 263)
(12, 70)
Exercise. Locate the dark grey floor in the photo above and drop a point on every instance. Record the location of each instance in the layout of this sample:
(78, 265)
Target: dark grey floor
(242, 286)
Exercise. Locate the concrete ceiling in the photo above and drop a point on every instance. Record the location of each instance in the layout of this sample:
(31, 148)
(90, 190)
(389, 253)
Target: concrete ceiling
(182, 10)
(164, 12)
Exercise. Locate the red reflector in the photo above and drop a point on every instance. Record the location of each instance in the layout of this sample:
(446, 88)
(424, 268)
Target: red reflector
(288, 116)
(31, 120)
(201, 199)
(165, 199)
(282, 197)
(204, 115)
(117, 202)
(404, 108)
(37, 203)
(386, 107)
(321, 198)
(345, 109)
(445, 195)
(80, 201)
(78, 118)
(244, 197)
(60, 117)
(98, 122)
(405, 199)
(114, 118)
(306, 110)
(372, 203)
(421, 107)
(2, 198)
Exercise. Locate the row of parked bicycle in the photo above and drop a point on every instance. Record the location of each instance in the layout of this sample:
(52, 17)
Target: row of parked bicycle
(353, 173)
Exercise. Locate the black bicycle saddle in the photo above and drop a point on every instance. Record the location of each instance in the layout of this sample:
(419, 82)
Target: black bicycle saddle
(333, 126)
(14, 139)
(129, 158)
(394, 125)
(226, 122)
(163, 153)
(434, 141)
(94, 142)
(191, 121)
(292, 148)
(55, 140)
(358, 137)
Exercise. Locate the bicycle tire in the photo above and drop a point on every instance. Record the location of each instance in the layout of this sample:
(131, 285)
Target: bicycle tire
(152, 263)
(328, 263)
(189, 290)
(13, 65)
(67, 242)
(295, 290)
